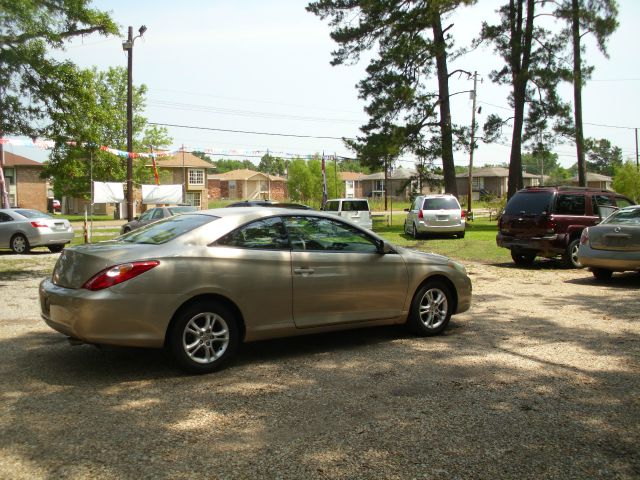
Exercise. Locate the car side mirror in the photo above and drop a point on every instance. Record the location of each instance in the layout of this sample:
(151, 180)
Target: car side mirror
(383, 247)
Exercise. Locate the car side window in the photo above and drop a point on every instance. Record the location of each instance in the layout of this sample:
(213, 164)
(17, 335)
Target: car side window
(157, 214)
(568, 204)
(602, 205)
(266, 234)
(5, 218)
(146, 215)
(327, 235)
(417, 204)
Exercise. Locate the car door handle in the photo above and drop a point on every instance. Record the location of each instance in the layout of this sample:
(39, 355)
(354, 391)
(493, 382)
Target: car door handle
(303, 271)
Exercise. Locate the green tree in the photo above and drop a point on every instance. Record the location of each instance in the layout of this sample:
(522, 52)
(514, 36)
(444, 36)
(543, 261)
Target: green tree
(539, 161)
(353, 165)
(304, 181)
(33, 86)
(224, 165)
(627, 181)
(272, 165)
(603, 158)
(99, 120)
(533, 70)
(598, 17)
(412, 45)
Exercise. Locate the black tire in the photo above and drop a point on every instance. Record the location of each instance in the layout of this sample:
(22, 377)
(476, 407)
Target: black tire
(461, 234)
(570, 256)
(431, 309)
(55, 248)
(20, 244)
(211, 330)
(126, 230)
(602, 274)
(414, 232)
(523, 258)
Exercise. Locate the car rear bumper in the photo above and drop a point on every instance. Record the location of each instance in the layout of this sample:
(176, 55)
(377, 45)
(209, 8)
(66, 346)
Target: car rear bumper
(609, 260)
(104, 317)
(54, 238)
(423, 227)
(543, 245)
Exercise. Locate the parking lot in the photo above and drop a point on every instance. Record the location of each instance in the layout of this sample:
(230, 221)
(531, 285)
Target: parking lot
(540, 379)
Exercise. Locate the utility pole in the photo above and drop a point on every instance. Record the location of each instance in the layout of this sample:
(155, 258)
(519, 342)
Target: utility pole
(637, 163)
(471, 145)
(128, 47)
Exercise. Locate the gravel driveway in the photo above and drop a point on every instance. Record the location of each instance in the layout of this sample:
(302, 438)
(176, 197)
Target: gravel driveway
(538, 380)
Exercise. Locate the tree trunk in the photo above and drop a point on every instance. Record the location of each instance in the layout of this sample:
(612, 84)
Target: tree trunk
(446, 135)
(520, 61)
(577, 92)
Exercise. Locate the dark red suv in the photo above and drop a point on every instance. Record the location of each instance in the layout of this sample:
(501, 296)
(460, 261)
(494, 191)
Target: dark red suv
(548, 221)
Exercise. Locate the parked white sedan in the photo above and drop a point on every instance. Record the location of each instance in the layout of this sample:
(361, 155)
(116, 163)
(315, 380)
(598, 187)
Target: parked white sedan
(21, 229)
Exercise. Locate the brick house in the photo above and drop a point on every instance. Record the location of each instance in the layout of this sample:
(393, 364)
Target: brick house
(25, 186)
(492, 180)
(246, 184)
(191, 172)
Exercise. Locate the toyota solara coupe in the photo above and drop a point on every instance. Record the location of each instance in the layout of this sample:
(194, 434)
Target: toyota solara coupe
(198, 284)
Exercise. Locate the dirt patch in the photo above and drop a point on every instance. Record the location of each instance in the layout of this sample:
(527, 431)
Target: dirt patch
(538, 380)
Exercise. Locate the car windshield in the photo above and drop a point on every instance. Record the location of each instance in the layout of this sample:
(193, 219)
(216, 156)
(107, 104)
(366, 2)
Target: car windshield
(532, 203)
(624, 217)
(31, 213)
(440, 203)
(177, 210)
(167, 229)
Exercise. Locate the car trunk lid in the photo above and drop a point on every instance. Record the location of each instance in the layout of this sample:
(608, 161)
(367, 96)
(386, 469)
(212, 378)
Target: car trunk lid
(615, 237)
(78, 264)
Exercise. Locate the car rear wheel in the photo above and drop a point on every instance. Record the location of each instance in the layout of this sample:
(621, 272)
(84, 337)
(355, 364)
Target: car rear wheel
(602, 274)
(20, 244)
(126, 230)
(414, 232)
(523, 259)
(570, 256)
(431, 309)
(204, 336)
(55, 248)
(461, 234)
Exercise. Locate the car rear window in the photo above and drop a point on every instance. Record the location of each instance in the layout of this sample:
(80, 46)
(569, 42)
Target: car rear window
(441, 203)
(31, 213)
(166, 230)
(531, 203)
(355, 206)
(629, 216)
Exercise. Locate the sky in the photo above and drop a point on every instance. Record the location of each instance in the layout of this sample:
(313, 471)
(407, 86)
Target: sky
(260, 66)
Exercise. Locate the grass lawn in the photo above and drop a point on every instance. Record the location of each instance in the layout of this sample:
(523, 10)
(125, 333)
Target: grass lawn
(479, 243)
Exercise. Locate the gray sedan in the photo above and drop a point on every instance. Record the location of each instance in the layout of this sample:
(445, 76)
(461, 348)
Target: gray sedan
(21, 229)
(199, 284)
(613, 245)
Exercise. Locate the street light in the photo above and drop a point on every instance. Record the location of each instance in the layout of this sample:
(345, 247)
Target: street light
(128, 46)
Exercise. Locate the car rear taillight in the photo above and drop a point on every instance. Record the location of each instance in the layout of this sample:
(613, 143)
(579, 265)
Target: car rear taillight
(119, 273)
(584, 238)
(463, 213)
(39, 225)
(550, 226)
(420, 214)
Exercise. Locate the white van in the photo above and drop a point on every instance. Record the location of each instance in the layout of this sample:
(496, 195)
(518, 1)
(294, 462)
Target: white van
(354, 209)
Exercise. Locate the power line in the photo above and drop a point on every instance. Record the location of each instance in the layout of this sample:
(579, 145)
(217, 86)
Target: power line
(247, 131)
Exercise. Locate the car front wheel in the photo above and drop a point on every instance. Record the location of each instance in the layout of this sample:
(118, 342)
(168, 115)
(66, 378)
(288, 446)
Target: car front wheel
(204, 336)
(20, 244)
(55, 248)
(431, 309)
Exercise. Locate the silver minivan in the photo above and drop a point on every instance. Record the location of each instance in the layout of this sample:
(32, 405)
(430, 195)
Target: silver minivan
(354, 209)
(439, 214)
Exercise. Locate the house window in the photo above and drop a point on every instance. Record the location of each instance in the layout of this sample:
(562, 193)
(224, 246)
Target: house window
(350, 188)
(196, 176)
(193, 199)
(264, 186)
(477, 183)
